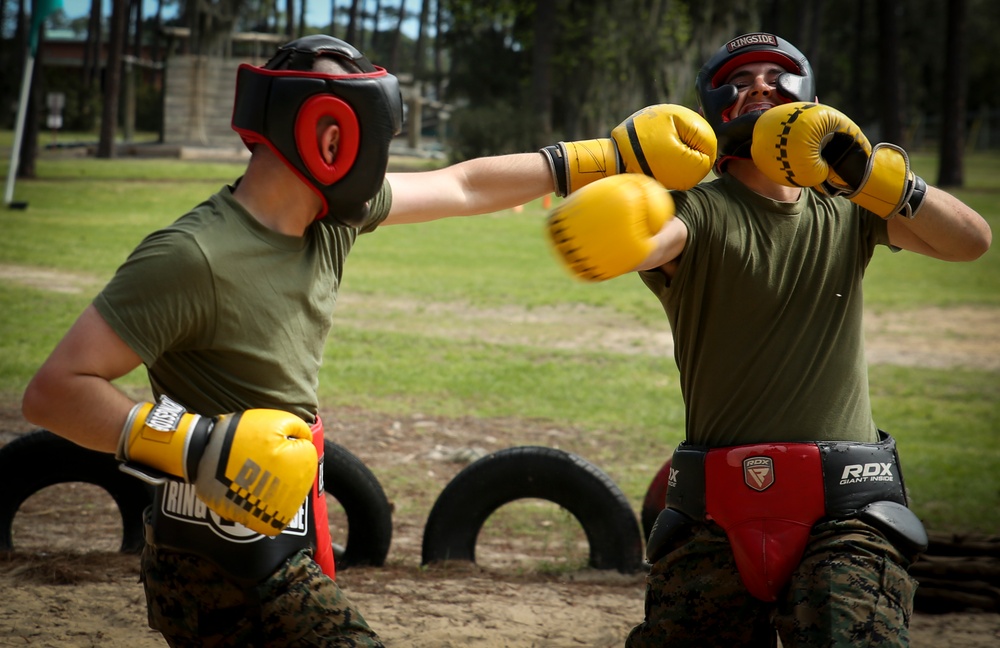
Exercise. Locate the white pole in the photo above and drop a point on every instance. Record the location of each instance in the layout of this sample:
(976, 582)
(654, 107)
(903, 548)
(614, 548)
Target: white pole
(22, 109)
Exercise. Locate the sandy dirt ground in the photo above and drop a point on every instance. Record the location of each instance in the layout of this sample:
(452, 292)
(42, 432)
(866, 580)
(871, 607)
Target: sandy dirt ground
(66, 585)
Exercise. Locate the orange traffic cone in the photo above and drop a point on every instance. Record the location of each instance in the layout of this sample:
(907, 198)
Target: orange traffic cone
(546, 201)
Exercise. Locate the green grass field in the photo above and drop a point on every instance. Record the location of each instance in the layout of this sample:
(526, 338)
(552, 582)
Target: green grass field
(85, 215)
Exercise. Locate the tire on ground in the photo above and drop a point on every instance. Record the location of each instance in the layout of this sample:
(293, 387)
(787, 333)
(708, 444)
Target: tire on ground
(521, 472)
(40, 459)
(655, 499)
(369, 514)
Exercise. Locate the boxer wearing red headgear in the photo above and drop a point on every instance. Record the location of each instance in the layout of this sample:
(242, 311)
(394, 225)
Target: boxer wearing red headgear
(365, 104)
(229, 309)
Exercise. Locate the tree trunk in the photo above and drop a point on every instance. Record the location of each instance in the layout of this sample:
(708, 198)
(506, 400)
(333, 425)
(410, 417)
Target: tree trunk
(951, 170)
(137, 34)
(113, 78)
(91, 64)
(92, 51)
(374, 42)
(352, 24)
(290, 19)
(814, 31)
(18, 61)
(360, 29)
(891, 86)
(156, 57)
(541, 72)
(21, 34)
(392, 62)
(158, 22)
(860, 61)
(29, 142)
(421, 46)
(439, 71)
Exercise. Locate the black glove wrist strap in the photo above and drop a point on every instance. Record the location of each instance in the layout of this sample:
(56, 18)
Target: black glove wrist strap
(918, 191)
(556, 156)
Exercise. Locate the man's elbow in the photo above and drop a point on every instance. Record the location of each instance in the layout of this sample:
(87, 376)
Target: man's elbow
(967, 243)
(979, 244)
(35, 401)
(30, 406)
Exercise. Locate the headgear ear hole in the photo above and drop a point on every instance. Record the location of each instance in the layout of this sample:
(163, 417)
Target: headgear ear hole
(305, 137)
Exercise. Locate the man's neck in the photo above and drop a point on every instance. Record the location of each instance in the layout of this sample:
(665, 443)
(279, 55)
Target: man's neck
(746, 172)
(275, 196)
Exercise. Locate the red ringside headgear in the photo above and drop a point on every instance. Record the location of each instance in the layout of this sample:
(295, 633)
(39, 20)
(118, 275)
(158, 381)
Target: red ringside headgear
(279, 104)
(716, 97)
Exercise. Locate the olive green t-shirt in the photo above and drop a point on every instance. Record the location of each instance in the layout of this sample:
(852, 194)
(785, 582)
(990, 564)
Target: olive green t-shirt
(766, 310)
(227, 314)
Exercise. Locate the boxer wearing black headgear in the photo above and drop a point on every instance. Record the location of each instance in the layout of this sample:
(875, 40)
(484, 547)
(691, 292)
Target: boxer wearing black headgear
(716, 97)
(280, 103)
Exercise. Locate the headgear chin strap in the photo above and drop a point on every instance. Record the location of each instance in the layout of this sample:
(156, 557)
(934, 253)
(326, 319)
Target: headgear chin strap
(717, 97)
(280, 104)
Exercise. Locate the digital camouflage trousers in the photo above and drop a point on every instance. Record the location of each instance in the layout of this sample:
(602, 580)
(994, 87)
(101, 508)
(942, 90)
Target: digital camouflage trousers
(850, 589)
(192, 603)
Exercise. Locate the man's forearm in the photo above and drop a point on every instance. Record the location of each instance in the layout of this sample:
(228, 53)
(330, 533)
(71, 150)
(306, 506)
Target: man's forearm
(945, 228)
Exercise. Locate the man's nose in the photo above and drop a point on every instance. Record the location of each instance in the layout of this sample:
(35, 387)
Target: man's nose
(760, 87)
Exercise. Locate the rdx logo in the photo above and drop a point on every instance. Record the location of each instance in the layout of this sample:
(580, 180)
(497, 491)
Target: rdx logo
(857, 473)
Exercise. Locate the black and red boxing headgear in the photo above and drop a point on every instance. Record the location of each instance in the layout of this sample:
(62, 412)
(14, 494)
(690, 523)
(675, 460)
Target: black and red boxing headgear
(717, 97)
(279, 104)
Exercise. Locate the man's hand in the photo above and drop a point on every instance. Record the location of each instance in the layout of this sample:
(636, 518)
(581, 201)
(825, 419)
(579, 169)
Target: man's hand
(606, 229)
(254, 467)
(668, 142)
(811, 145)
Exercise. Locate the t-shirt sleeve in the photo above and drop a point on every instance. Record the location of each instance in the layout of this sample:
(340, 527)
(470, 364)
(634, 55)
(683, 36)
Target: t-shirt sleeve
(378, 209)
(875, 228)
(692, 209)
(162, 297)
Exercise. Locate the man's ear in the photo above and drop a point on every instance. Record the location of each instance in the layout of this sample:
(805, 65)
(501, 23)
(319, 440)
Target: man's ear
(329, 141)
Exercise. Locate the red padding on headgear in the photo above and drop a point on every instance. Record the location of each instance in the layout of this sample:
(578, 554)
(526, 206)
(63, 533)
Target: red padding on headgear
(755, 56)
(305, 137)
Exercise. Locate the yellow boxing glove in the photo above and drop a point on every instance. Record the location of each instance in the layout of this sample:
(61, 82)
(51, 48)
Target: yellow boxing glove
(254, 467)
(668, 142)
(605, 229)
(671, 143)
(805, 144)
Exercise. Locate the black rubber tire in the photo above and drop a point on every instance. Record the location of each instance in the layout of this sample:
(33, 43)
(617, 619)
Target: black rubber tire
(40, 459)
(655, 499)
(521, 472)
(369, 514)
